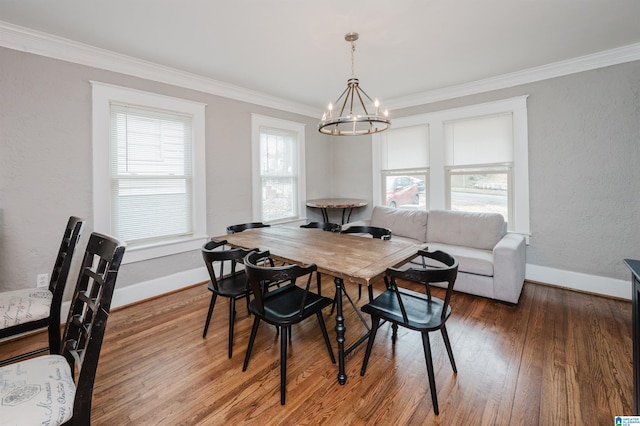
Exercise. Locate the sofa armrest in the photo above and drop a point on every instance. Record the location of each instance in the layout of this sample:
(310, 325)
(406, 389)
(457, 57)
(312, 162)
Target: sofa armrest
(509, 260)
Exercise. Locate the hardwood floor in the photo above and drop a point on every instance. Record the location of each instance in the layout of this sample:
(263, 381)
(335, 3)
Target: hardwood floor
(559, 357)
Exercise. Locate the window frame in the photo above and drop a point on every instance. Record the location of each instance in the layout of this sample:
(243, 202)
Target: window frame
(102, 96)
(379, 184)
(475, 169)
(437, 166)
(259, 121)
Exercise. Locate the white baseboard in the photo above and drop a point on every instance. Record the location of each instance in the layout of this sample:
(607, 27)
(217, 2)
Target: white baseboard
(582, 282)
(148, 289)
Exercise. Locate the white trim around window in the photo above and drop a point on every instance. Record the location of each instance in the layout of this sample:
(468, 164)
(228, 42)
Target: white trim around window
(261, 121)
(102, 96)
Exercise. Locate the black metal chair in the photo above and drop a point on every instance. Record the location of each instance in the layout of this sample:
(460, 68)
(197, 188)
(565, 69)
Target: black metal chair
(42, 390)
(32, 309)
(414, 310)
(232, 285)
(232, 229)
(375, 232)
(325, 226)
(282, 307)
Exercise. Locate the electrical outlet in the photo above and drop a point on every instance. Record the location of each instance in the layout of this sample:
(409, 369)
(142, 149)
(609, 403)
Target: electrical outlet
(42, 280)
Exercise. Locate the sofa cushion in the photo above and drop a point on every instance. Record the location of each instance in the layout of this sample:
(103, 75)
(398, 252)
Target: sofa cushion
(466, 229)
(402, 222)
(470, 260)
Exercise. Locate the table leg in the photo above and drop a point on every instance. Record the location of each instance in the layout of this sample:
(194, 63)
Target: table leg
(348, 217)
(340, 330)
(325, 215)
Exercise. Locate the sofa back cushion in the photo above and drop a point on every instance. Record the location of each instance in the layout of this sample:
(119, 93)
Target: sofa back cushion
(403, 223)
(477, 230)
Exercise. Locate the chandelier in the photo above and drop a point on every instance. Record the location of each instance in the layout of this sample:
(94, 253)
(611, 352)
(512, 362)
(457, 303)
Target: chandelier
(354, 113)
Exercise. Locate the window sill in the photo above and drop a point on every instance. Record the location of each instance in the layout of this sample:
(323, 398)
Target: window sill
(168, 248)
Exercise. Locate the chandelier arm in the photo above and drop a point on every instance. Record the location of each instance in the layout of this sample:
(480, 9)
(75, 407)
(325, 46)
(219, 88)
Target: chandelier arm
(364, 107)
(341, 95)
(365, 93)
(346, 99)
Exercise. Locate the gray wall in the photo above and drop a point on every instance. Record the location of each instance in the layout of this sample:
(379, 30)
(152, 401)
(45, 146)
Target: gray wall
(584, 168)
(46, 157)
(584, 136)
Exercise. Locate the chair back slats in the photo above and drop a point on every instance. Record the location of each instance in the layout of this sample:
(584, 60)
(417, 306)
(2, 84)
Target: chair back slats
(90, 301)
(325, 226)
(306, 289)
(232, 229)
(59, 277)
(212, 253)
(90, 306)
(427, 275)
(260, 277)
(374, 231)
(69, 242)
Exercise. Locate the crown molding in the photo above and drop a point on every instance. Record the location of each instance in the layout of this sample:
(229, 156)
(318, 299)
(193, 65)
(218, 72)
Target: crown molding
(606, 58)
(43, 44)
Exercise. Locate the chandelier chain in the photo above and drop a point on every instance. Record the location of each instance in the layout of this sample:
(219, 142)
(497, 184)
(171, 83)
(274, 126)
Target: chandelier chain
(353, 53)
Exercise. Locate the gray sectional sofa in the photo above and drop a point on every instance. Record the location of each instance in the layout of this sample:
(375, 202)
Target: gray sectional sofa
(491, 261)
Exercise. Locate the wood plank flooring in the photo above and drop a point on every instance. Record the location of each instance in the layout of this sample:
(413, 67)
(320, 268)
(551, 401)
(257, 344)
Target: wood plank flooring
(559, 357)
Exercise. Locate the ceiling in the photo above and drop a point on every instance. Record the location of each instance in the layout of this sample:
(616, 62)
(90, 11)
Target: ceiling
(295, 50)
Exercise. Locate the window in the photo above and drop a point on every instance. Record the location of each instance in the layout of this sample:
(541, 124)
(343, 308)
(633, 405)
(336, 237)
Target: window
(278, 164)
(148, 171)
(479, 164)
(474, 158)
(404, 170)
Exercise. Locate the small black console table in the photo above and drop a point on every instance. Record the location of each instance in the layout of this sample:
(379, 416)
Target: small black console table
(634, 265)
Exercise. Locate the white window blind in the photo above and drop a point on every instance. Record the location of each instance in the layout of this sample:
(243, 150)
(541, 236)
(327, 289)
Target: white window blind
(151, 167)
(405, 148)
(482, 140)
(279, 174)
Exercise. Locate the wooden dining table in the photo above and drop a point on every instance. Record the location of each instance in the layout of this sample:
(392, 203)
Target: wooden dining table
(346, 257)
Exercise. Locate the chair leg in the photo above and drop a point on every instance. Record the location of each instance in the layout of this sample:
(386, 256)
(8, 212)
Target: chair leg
(209, 314)
(319, 283)
(375, 321)
(232, 321)
(252, 338)
(432, 380)
(283, 364)
(323, 327)
(447, 345)
(394, 333)
(333, 305)
(359, 291)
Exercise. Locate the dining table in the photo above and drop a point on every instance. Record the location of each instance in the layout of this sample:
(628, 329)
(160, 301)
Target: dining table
(347, 258)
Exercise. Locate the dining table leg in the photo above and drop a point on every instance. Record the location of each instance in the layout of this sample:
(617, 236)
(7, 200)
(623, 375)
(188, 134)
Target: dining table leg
(340, 330)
